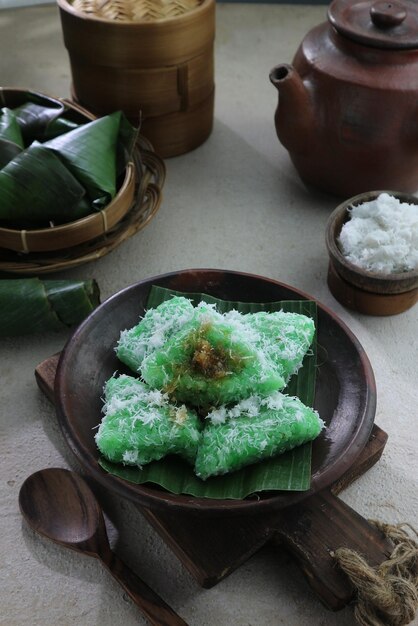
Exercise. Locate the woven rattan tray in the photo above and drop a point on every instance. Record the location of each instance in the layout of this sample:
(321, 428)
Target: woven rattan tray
(147, 199)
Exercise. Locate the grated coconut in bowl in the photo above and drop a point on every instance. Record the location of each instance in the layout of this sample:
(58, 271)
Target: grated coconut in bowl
(382, 235)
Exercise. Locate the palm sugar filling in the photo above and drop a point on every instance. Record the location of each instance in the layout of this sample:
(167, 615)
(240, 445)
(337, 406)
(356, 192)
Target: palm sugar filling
(213, 362)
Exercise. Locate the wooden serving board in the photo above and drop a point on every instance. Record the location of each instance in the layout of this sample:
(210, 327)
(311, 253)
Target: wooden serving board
(212, 547)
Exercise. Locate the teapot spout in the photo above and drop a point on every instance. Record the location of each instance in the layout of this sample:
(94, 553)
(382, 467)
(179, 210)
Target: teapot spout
(294, 117)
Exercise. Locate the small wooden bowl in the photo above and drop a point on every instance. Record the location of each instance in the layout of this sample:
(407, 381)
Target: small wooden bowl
(79, 231)
(368, 292)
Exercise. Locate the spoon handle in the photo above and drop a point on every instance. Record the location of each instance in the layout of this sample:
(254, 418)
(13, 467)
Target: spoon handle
(152, 605)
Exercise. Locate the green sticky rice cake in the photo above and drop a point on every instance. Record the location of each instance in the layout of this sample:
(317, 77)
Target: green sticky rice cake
(153, 330)
(140, 425)
(229, 366)
(254, 429)
(284, 337)
(212, 360)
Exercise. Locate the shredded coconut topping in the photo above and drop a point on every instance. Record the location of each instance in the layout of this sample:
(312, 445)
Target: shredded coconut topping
(382, 235)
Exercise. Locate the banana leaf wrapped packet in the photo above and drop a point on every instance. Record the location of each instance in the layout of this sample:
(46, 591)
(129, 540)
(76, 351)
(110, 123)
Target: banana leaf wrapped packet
(55, 170)
(31, 305)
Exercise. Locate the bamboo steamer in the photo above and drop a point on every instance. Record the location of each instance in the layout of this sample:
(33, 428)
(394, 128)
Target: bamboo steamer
(160, 72)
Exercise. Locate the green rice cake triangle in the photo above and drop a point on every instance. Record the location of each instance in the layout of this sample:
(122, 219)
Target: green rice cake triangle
(212, 361)
(153, 330)
(254, 429)
(285, 338)
(140, 425)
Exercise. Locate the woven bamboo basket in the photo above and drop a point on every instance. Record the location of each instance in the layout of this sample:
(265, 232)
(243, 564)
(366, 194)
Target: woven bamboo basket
(79, 231)
(152, 59)
(76, 232)
(63, 247)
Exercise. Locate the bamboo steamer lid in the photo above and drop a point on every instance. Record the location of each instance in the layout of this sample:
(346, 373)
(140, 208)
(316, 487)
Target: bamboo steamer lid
(135, 10)
(141, 43)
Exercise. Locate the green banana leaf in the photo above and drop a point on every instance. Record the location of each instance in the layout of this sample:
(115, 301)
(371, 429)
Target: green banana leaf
(34, 118)
(11, 140)
(31, 305)
(58, 127)
(289, 472)
(21, 126)
(9, 127)
(34, 179)
(66, 177)
(90, 153)
(42, 118)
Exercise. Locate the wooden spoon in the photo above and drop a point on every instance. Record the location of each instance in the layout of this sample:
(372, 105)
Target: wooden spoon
(58, 504)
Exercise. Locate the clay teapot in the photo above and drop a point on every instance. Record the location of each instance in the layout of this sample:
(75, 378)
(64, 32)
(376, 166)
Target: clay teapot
(348, 104)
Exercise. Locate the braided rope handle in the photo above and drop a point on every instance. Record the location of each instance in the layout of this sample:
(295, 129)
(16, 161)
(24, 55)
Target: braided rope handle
(386, 595)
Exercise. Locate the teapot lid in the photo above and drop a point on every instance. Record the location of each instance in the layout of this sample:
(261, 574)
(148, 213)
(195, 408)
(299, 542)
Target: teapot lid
(377, 23)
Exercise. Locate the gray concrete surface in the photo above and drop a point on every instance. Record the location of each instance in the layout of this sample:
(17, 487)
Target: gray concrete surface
(236, 203)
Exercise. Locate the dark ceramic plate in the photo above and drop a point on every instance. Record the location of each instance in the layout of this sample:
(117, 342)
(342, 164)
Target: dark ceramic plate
(345, 391)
